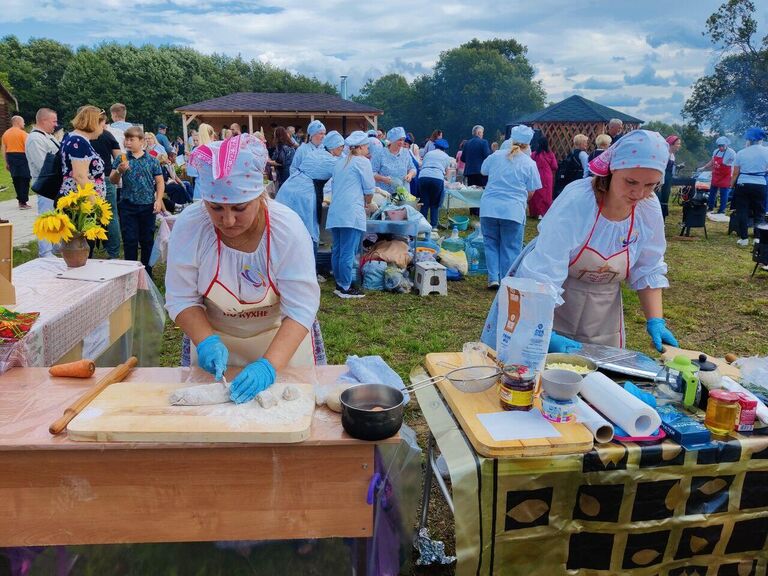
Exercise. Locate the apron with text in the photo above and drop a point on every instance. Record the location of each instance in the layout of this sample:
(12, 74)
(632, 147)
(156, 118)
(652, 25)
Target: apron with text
(721, 173)
(592, 312)
(247, 328)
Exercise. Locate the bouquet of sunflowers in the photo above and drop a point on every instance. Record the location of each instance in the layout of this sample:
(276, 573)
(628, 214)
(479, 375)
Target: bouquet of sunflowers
(82, 213)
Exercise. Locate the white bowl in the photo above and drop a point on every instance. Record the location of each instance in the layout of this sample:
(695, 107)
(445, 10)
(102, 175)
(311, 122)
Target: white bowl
(561, 384)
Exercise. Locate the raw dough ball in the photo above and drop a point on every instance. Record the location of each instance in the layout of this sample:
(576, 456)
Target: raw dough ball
(266, 399)
(291, 393)
(216, 393)
(333, 400)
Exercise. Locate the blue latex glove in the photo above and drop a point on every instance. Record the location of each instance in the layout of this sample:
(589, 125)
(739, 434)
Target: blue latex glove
(254, 378)
(212, 356)
(658, 331)
(562, 344)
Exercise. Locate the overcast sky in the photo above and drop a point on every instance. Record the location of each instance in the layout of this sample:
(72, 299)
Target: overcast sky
(641, 57)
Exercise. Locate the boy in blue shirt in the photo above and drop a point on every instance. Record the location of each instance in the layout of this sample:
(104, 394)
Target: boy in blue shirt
(141, 198)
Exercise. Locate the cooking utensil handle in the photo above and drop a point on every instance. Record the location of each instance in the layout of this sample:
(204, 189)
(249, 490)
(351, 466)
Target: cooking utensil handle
(422, 384)
(117, 374)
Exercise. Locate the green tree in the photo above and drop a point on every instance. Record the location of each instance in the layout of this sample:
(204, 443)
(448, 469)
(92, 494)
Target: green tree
(391, 93)
(481, 82)
(733, 96)
(34, 70)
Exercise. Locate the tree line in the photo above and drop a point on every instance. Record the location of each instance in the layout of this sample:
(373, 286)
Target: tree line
(150, 80)
(480, 82)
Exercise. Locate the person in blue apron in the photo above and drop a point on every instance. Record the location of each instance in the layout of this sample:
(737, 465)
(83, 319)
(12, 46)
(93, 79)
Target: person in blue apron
(240, 280)
(298, 192)
(392, 166)
(353, 187)
(600, 232)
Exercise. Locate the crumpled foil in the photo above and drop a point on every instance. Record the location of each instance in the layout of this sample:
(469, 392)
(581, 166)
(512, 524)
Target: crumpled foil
(431, 551)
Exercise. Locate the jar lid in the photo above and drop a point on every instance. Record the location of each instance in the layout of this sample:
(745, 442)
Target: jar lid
(724, 395)
(518, 372)
(704, 364)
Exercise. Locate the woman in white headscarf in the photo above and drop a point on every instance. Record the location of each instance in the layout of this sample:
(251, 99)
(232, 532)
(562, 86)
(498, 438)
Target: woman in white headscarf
(393, 164)
(599, 232)
(240, 280)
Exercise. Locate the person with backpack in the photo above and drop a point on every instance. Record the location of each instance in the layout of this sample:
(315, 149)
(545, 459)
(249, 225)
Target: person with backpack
(40, 143)
(574, 166)
(282, 155)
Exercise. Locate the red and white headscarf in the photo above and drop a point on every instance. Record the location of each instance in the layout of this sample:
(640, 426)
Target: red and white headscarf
(231, 171)
(637, 149)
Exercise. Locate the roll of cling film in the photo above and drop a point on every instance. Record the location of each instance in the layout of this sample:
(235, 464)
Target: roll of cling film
(516, 399)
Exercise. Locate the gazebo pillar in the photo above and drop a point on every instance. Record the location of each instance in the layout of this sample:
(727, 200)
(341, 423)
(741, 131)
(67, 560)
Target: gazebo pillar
(250, 123)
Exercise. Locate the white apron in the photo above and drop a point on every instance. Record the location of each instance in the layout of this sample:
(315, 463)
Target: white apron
(592, 312)
(247, 328)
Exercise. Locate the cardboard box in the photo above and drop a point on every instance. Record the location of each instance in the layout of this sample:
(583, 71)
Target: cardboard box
(7, 291)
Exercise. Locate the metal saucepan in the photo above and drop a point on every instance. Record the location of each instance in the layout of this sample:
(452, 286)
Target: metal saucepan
(372, 411)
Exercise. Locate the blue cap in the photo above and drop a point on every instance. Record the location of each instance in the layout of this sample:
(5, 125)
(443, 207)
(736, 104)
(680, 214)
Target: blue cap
(314, 127)
(754, 134)
(372, 132)
(442, 144)
(161, 126)
(521, 134)
(357, 138)
(396, 133)
(333, 140)
(722, 141)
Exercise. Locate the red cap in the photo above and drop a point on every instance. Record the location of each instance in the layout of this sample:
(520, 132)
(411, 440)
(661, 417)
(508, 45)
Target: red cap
(724, 395)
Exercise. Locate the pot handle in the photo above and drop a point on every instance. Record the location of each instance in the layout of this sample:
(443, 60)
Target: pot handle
(422, 383)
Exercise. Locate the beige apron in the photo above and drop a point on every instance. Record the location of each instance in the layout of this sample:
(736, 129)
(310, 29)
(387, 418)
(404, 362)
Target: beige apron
(592, 312)
(247, 328)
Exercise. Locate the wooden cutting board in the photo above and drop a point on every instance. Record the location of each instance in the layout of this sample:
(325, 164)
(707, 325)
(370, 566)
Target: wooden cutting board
(574, 438)
(140, 412)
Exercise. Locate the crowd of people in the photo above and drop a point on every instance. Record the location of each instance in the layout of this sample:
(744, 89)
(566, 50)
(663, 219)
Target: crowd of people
(138, 173)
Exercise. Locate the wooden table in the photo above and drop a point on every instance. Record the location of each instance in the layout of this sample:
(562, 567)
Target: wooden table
(54, 491)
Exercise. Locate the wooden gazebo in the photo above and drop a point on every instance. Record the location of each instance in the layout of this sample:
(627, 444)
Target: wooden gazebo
(261, 110)
(560, 122)
(8, 104)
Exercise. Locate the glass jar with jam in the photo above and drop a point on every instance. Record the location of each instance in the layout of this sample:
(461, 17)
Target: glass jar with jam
(516, 387)
(722, 412)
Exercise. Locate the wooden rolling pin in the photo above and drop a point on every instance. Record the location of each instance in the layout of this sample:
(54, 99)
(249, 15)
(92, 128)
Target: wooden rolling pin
(117, 374)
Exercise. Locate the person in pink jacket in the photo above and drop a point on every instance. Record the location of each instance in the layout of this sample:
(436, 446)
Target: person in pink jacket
(547, 165)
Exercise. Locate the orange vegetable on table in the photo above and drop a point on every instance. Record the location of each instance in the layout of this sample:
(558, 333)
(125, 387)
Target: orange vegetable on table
(78, 369)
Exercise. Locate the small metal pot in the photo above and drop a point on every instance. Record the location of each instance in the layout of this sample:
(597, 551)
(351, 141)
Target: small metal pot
(362, 422)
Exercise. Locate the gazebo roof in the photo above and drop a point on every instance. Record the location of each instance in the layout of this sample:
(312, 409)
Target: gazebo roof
(265, 102)
(8, 96)
(576, 109)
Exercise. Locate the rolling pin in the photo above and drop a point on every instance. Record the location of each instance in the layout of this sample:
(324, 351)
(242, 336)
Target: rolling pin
(117, 374)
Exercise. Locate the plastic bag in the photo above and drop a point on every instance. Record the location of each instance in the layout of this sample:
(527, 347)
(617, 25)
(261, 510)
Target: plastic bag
(373, 275)
(455, 260)
(524, 325)
(395, 280)
(754, 370)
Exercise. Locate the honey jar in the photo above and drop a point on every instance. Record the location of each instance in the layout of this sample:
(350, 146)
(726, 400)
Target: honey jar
(722, 412)
(516, 387)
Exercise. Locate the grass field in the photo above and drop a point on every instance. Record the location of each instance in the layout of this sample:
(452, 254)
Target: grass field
(712, 305)
(6, 186)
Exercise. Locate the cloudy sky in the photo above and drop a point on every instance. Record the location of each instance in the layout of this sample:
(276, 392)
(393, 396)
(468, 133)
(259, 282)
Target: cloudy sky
(641, 57)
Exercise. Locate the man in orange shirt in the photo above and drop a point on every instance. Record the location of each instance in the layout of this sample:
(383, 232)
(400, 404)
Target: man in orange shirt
(13, 142)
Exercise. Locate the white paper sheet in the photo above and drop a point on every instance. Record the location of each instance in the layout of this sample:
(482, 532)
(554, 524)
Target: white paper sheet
(516, 425)
(100, 270)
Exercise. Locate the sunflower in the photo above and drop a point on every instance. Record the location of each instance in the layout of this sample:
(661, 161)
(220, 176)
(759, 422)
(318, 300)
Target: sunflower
(86, 206)
(105, 210)
(87, 190)
(54, 227)
(69, 200)
(95, 233)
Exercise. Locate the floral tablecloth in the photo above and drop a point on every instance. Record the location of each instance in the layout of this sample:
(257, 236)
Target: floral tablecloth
(69, 310)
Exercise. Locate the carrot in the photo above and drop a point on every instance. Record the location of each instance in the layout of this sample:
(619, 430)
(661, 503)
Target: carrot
(78, 369)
